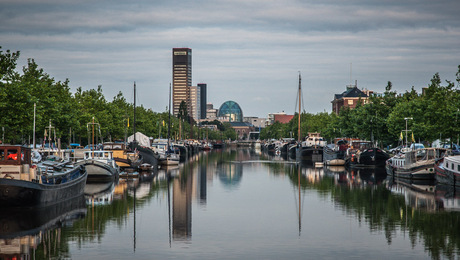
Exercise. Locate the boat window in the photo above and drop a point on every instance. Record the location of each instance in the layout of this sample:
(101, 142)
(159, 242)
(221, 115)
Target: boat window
(452, 166)
(2, 155)
(458, 167)
(12, 155)
(447, 165)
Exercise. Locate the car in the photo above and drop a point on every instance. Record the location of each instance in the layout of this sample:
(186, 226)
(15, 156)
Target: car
(455, 148)
(416, 146)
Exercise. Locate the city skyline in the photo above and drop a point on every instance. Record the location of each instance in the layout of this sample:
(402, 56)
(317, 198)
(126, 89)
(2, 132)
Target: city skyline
(247, 51)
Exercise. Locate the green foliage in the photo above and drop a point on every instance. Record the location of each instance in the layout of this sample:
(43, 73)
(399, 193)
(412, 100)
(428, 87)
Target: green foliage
(435, 113)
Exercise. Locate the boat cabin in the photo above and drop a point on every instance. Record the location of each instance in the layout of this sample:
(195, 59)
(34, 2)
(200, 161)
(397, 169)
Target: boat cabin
(452, 163)
(98, 155)
(15, 162)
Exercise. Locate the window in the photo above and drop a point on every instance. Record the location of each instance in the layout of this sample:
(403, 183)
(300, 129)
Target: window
(12, 155)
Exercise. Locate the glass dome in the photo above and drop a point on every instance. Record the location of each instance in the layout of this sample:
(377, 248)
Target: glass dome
(232, 110)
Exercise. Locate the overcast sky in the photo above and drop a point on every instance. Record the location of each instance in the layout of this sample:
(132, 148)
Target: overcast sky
(247, 51)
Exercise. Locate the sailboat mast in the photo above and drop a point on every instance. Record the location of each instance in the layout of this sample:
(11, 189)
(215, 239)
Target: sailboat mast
(169, 117)
(300, 94)
(134, 123)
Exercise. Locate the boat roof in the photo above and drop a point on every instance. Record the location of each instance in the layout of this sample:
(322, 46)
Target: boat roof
(455, 159)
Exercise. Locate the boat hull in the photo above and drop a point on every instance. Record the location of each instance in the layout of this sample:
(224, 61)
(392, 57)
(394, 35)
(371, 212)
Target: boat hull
(310, 154)
(99, 171)
(372, 157)
(425, 172)
(20, 193)
(446, 176)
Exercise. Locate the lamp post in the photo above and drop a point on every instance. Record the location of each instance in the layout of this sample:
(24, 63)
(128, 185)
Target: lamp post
(407, 118)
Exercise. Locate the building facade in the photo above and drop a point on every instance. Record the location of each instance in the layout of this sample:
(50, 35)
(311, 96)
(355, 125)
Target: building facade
(195, 108)
(350, 98)
(182, 77)
(203, 92)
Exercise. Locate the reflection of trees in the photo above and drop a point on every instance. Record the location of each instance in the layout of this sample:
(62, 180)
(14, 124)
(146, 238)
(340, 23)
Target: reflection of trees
(94, 225)
(386, 212)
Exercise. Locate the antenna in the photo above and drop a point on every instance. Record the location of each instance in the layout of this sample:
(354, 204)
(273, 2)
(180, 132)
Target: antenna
(351, 70)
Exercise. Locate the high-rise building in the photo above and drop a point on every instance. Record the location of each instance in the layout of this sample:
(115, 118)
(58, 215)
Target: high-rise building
(202, 89)
(195, 96)
(182, 78)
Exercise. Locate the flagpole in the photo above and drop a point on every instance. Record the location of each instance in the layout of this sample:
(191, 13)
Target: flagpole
(407, 118)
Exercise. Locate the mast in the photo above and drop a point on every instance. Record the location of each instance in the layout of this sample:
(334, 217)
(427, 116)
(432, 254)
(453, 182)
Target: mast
(169, 118)
(300, 93)
(134, 123)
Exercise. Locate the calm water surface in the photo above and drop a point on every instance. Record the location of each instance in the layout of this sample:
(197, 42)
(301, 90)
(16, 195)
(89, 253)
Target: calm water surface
(241, 204)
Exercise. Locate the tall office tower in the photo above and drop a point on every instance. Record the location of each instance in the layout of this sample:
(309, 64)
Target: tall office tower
(195, 110)
(202, 87)
(182, 77)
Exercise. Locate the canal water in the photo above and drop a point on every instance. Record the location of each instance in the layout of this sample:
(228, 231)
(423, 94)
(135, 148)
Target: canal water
(243, 204)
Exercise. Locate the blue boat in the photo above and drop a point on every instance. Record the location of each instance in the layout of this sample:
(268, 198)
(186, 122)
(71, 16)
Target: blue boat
(49, 182)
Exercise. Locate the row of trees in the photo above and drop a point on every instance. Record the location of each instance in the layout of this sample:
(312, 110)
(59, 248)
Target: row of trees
(435, 115)
(70, 112)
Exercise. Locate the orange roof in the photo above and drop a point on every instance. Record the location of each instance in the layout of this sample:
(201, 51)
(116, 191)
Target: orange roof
(283, 118)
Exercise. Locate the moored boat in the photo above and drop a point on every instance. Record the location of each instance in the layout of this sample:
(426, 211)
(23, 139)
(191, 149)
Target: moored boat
(370, 157)
(415, 164)
(23, 184)
(312, 148)
(448, 170)
(122, 156)
(334, 154)
(100, 165)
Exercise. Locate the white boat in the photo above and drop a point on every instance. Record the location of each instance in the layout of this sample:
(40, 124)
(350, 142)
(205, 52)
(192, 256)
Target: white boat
(312, 148)
(448, 170)
(415, 164)
(100, 165)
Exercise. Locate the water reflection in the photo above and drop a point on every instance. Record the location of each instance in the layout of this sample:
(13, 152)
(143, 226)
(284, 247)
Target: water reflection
(421, 213)
(25, 232)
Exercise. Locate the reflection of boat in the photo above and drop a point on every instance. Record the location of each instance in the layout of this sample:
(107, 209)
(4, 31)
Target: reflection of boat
(418, 194)
(100, 166)
(48, 183)
(23, 221)
(99, 193)
(415, 164)
(448, 197)
(372, 176)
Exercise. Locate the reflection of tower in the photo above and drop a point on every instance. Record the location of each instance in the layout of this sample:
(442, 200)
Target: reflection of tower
(202, 184)
(231, 175)
(182, 208)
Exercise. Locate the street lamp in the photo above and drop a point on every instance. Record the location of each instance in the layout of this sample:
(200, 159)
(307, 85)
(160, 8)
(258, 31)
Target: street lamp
(407, 118)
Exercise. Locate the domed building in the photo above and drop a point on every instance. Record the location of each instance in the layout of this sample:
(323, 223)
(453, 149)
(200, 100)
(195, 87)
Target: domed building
(232, 110)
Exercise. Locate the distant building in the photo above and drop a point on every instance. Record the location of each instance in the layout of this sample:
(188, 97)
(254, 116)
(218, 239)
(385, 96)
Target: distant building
(182, 77)
(202, 87)
(232, 110)
(195, 102)
(256, 122)
(350, 98)
(211, 113)
(242, 129)
(281, 117)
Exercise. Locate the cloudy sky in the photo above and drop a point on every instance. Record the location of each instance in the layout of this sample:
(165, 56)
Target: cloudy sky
(247, 51)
